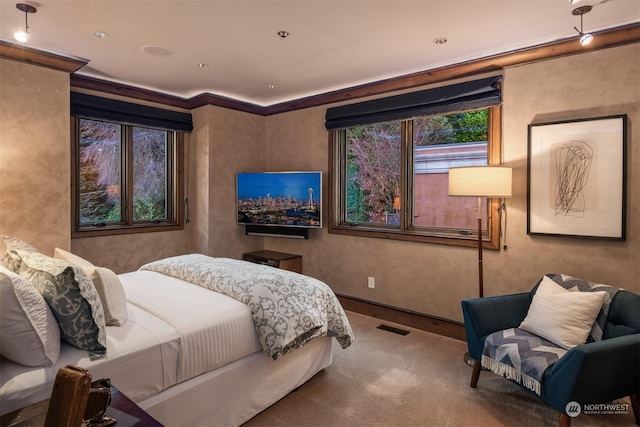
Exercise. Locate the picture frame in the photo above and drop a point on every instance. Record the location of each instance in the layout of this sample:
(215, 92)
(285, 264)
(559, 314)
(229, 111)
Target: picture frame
(576, 178)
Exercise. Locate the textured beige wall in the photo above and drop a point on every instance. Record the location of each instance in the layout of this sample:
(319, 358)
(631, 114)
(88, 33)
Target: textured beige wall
(223, 142)
(35, 173)
(34, 155)
(127, 252)
(432, 279)
(594, 84)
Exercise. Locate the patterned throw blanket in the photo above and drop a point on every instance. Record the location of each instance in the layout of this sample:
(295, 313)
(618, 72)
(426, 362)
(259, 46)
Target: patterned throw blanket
(523, 357)
(288, 309)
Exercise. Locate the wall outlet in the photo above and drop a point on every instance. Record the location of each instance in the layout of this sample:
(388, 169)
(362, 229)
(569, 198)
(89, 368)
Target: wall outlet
(371, 282)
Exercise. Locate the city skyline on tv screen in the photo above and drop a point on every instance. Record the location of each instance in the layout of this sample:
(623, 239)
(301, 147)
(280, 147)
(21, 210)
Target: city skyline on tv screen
(279, 198)
(252, 185)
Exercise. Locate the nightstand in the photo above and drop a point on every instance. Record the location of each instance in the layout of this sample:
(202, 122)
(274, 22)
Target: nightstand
(34, 415)
(285, 261)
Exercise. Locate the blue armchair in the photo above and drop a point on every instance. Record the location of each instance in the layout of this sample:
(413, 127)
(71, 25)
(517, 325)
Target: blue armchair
(591, 373)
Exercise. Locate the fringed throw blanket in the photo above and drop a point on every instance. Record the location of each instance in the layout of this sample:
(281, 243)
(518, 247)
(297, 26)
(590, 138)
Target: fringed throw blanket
(288, 309)
(520, 356)
(524, 357)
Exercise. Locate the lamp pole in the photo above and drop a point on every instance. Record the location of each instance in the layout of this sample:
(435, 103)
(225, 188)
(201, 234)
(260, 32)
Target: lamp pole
(481, 182)
(480, 271)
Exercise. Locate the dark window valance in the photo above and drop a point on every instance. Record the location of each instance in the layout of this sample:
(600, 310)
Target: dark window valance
(461, 96)
(126, 112)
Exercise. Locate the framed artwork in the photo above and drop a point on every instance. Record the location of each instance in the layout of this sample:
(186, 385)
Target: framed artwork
(576, 178)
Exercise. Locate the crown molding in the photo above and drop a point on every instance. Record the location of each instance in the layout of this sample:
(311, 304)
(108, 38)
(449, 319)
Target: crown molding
(29, 55)
(602, 40)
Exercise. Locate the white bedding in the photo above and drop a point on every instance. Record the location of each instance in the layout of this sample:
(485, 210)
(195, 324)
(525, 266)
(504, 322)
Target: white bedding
(174, 331)
(215, 329)
(288, 309)
(181, 345)
(141, 360)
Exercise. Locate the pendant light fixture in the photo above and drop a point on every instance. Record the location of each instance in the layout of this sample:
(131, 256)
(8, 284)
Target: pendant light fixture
(585, 38)
(23, 35)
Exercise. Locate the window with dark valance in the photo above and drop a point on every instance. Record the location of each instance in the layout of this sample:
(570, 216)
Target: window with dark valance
(96, 107)
(457, 97)
(390, 159)
(127, 166)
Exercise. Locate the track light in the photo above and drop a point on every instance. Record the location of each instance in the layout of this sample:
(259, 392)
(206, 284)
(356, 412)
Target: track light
(23, 35)
(585, 38)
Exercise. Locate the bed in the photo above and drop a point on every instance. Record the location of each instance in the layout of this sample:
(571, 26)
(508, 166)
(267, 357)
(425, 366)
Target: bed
(206, 341)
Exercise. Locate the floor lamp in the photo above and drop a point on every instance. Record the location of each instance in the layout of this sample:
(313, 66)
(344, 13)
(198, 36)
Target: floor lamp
(481, 182)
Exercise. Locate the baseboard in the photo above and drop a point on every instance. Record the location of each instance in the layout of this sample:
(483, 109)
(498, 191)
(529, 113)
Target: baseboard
(447, 328)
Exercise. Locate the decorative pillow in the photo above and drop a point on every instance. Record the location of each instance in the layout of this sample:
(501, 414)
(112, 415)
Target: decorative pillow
(9, 258)
(72, 298)
(565, 318)
(109, 287)
(29, 334)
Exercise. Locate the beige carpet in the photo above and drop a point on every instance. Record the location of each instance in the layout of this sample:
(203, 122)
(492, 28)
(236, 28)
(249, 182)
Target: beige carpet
(385, 379)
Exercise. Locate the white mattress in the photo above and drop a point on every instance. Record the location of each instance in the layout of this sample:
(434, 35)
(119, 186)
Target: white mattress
(142, 356)
(215, 329)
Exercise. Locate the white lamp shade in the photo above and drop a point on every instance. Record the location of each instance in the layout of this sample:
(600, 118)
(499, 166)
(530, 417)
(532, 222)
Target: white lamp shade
(480, 181)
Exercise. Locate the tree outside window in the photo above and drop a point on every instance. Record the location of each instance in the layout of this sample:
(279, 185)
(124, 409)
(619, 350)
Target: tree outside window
(127, 177)
(391, 178)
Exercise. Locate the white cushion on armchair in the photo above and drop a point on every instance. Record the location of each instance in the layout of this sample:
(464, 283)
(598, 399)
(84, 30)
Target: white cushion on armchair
(563, 317)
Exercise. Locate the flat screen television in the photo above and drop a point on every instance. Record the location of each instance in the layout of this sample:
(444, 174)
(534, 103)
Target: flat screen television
(280, 199)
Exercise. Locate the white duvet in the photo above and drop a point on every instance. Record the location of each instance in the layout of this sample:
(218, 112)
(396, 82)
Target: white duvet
(214, 329)
(288, 309)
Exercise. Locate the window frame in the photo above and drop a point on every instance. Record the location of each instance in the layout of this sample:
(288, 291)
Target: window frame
(175, 185)
(406, 232)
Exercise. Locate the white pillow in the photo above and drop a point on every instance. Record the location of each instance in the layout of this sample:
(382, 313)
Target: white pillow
(29, 333)
(9, 258)
(565, 318)
(109, 287)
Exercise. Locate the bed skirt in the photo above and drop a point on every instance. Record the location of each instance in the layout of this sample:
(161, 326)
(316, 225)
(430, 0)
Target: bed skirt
(233, 394)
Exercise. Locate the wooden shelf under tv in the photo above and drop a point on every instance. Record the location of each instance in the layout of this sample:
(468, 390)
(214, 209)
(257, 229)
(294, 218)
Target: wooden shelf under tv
(285, 261)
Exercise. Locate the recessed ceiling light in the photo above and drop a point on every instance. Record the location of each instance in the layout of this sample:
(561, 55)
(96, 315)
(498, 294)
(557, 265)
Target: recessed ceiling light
(101, 34)
(440, 40)
(283, 34)
(272, 86)
(156, 50)
(202, 65)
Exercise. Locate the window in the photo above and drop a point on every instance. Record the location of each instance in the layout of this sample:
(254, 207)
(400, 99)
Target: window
(127, 178)
(390, 177)
(126, 167)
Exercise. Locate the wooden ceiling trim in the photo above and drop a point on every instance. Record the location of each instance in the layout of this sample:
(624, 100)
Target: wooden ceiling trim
(602, 40)
(26, 54)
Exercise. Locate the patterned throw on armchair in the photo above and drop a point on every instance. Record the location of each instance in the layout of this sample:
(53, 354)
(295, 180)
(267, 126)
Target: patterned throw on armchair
(569, 341)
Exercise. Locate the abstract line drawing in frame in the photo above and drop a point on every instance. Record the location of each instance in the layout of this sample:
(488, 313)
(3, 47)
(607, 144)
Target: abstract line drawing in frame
(577, 178)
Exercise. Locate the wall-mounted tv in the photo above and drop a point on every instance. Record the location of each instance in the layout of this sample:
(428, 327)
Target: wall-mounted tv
(281, 199)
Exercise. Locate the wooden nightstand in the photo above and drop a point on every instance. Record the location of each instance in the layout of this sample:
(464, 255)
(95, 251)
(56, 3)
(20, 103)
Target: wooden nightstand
(34, 415)
(281, 260)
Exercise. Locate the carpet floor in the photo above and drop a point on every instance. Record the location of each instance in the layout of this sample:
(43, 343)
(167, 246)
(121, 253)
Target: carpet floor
(386, 379)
